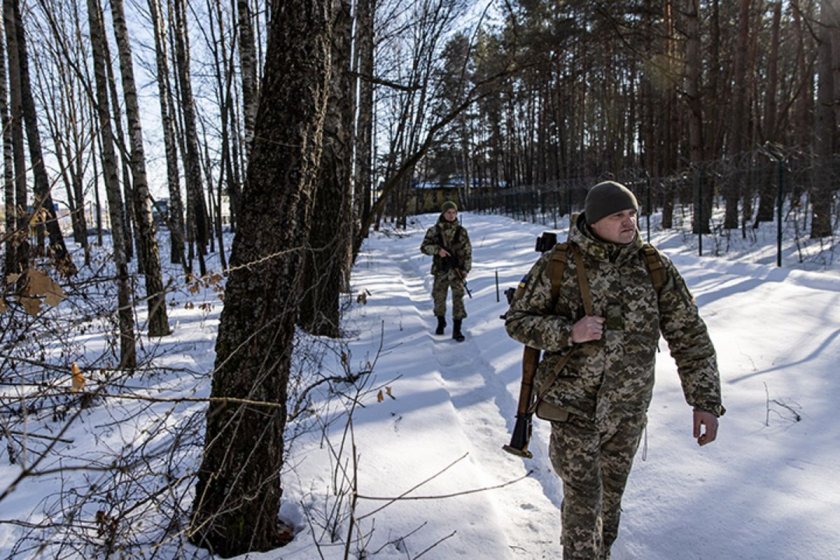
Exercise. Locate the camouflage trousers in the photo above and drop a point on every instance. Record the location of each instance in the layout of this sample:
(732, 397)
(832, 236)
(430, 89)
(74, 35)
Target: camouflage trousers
(594, 464)
(443, 282)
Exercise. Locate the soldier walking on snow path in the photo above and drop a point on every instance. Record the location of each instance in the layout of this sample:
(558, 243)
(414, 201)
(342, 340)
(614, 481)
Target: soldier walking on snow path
(598, 330)
(449, 244)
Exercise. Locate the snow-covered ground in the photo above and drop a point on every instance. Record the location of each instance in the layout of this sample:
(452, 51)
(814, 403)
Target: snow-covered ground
(765, 490)
(422, 442)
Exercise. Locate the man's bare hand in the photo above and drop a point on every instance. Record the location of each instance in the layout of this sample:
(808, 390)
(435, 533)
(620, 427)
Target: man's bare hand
(589, 328)
(707, 420)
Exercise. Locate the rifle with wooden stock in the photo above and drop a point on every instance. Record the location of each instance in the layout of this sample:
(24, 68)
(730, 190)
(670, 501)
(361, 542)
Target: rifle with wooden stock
(528, 402)
(521, 436)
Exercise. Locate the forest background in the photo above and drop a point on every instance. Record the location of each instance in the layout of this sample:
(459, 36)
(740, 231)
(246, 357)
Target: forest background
(299, 126)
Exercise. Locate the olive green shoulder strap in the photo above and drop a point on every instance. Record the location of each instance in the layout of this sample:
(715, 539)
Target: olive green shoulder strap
(556, 268)
(656, 269)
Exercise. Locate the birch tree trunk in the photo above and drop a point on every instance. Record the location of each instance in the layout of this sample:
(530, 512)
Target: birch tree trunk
(176, 206)
(10, 257)
(96, 142)
(129, 221)
(331, 229)
(233, 163)
(128, 355)
(223, 70)
(238, 492)
(248, 69)
(158, 323)
(43, 198)
(59, 109)
(364, 124)
(192, 154)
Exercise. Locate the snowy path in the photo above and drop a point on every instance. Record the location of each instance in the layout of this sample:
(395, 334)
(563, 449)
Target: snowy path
(479, 380)
(453, 404)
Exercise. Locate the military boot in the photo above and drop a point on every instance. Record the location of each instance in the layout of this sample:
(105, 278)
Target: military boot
(441, 325)
(456, 331)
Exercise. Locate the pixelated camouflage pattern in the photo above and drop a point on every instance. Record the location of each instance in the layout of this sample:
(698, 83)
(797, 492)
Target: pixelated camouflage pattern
(442, 283)
(613, 375)
(594, 464)
(445, 280)
(607, 384)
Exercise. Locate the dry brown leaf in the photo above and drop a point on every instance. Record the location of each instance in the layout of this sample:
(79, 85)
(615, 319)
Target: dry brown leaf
(38, 217)
(379, 396)
(31, 305)
(39, 283)
(12, 278)
(3, 306)
(54, 296)
(78, 378)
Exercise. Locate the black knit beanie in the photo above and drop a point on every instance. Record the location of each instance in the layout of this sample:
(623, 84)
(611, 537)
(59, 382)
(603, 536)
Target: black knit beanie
(607, 198)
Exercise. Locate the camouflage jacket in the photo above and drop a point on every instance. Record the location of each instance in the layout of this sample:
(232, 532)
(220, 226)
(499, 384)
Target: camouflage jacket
(458, 243)
(613, 375)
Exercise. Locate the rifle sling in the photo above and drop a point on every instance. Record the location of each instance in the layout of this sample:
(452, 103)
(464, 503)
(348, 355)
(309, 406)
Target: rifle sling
(586, 295)
(536, 402)
(583, 283)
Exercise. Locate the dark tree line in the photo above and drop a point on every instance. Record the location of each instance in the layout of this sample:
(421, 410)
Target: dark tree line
(656, 86)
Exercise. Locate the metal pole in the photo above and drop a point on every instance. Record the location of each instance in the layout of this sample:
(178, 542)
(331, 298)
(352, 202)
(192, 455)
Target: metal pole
(497, 285)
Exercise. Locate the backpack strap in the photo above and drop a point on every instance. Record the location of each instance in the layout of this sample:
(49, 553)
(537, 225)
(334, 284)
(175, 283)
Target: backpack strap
(656, 269)
(556, 268)
(583, 283)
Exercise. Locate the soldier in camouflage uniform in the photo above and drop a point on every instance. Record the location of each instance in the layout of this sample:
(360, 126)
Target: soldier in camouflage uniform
(449, 244)
(607, 384)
